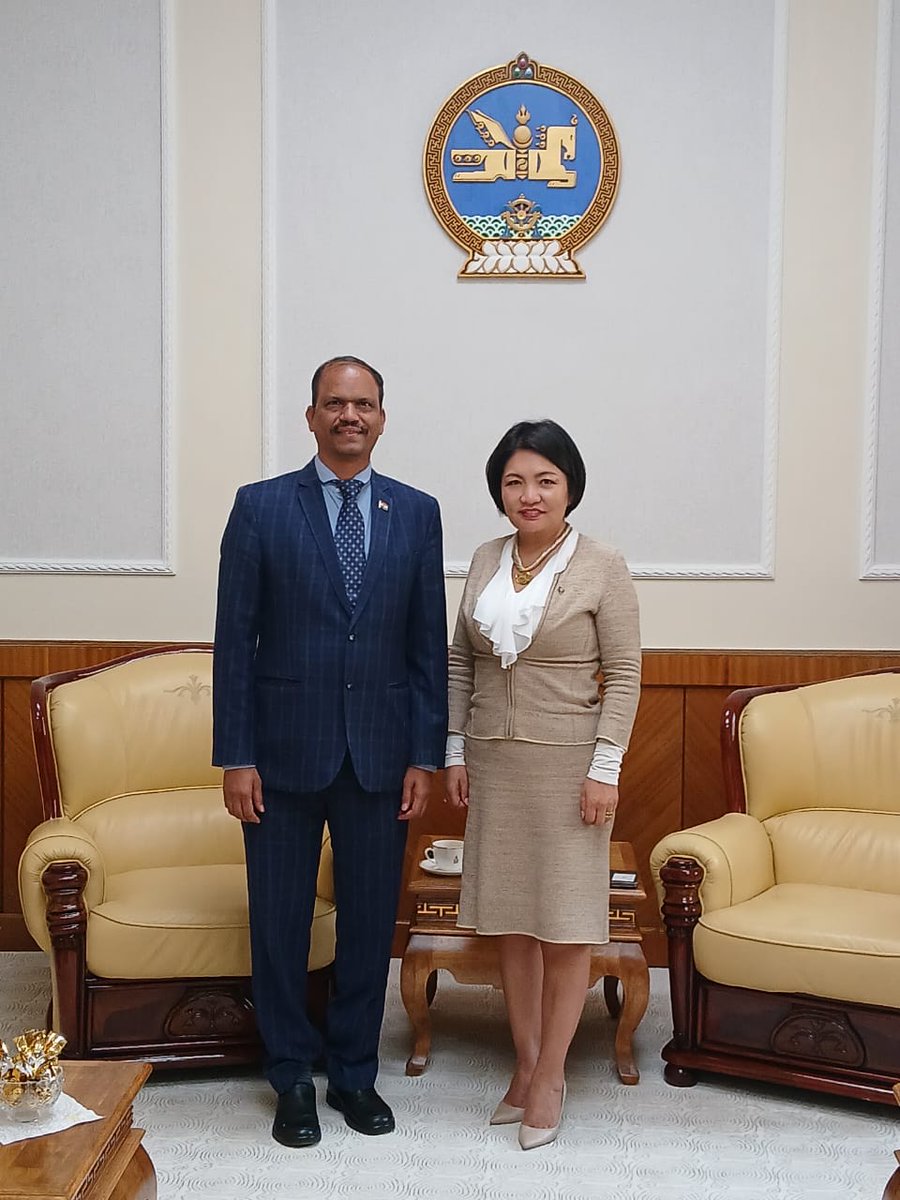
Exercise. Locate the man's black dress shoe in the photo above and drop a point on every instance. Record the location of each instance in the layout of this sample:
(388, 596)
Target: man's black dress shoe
(364, 1111)
(296, 1121)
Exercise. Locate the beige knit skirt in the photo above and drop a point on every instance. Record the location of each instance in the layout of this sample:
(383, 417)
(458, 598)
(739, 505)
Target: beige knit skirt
(531, 865)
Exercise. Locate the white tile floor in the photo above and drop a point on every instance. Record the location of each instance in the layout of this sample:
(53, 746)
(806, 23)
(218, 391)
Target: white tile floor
(209, 1134)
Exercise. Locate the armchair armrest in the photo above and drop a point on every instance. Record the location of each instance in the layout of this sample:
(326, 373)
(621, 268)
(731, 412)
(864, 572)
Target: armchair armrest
(734, 853)
(58, 840)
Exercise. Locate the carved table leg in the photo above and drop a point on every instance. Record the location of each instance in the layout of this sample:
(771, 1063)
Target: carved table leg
(468, 959)
(611, 994)
(635, 976)
(138, 1181)
(416, 975)
(892, 1191)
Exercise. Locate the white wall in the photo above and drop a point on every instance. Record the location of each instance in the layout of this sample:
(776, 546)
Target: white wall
(816, 599)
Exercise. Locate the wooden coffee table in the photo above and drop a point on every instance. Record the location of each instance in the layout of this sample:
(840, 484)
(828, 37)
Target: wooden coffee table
(435, 943)
(100, 1160)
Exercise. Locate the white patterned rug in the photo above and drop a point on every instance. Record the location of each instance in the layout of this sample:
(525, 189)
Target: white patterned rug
(208, 1135)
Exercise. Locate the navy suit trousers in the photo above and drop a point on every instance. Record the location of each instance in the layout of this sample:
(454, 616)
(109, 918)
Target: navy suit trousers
(282, 864)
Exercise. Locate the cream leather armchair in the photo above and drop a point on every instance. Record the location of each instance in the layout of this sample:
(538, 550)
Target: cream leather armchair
(783, 916)
(135, 883)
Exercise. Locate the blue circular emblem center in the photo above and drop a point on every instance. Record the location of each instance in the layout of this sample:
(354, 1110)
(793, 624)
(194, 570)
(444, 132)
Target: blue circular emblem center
(522, 160)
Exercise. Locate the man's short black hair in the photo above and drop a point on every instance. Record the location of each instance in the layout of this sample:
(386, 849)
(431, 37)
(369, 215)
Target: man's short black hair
(550, 441)
(352, 361)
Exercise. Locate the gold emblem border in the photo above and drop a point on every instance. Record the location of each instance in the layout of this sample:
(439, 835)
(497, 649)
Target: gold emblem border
(607, 185)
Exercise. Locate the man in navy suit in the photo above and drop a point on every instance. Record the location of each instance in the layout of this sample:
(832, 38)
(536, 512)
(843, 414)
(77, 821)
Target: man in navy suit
(329, 704)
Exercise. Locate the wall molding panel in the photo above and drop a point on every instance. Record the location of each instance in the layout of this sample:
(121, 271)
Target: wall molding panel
(293, 257)
(766, 569)
(877, 467)
(167, 281)
(269, 141)
(115, 489)
(459, 569)
(62, 566)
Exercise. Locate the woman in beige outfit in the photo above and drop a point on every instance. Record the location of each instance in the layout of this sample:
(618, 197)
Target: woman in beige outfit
(534, 752)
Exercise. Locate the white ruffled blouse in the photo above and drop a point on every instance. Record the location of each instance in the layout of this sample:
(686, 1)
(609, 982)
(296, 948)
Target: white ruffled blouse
(509, 619)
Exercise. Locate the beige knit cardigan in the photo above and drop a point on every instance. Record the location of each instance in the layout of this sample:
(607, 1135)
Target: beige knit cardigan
(550, 694)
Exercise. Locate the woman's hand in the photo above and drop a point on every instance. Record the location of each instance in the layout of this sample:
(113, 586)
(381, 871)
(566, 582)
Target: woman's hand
(599, 802)
(456, 785)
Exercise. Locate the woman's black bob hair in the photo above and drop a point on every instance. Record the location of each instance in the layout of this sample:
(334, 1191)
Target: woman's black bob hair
(550, 441)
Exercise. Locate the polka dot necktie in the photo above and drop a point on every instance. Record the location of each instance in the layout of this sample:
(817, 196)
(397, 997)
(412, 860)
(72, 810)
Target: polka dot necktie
(350, 537)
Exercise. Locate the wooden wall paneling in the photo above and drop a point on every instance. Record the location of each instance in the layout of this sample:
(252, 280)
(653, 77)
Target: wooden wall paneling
(662, 668)
(704, 783)
(2, 796)
(21, 808)
(23, 659)
(650, 802)
(69, 656)
(21, 802)
(757, 668)
(28, 660)
(13, 934)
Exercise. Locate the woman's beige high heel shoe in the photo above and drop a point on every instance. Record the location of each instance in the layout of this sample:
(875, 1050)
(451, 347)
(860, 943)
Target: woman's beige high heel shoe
(506, 1114)
(530, 1137)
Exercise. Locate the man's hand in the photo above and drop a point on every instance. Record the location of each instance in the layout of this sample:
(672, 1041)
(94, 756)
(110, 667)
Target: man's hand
(416, 786)
(456, 786)
(599, 802)
(243, 794)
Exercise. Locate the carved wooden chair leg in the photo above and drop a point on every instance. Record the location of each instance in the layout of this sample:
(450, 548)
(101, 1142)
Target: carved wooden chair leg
(64, 884)
(681, 911)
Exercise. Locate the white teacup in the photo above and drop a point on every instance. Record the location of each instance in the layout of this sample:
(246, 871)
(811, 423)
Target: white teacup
(446, 854)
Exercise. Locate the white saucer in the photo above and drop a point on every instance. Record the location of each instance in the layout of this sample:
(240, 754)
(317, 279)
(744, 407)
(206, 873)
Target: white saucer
(433, 869)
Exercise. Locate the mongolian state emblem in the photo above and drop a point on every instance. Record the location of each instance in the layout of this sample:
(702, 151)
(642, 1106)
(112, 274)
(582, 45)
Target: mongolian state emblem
(521, 167)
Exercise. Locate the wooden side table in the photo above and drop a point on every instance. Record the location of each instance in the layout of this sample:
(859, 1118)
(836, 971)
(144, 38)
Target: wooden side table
(100, 1160)
(436, 943)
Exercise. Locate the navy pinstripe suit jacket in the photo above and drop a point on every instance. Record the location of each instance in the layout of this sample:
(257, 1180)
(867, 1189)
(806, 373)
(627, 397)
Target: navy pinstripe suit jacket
(298, 677)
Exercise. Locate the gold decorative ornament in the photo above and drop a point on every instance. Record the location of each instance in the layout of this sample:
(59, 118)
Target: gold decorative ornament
(565, 169)
(31, 1079)
(523, 575)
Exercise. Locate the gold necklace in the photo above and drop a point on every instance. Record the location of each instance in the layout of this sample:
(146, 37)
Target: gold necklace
(522, 574)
